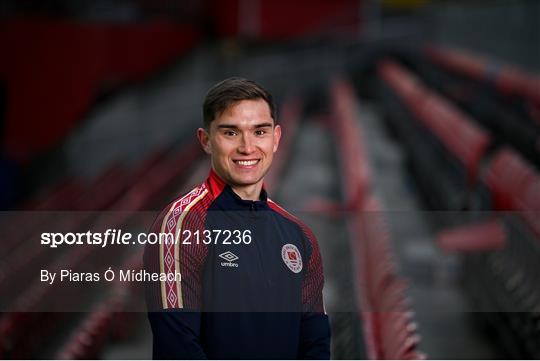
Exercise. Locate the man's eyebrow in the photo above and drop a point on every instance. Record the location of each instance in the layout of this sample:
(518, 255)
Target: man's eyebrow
(232, 126)
(263, 125)
(227, 126)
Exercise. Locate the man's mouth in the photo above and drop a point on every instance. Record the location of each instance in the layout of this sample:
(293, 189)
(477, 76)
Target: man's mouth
(246, 162)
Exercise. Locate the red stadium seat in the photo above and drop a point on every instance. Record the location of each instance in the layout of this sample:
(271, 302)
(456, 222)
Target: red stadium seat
(389, 331)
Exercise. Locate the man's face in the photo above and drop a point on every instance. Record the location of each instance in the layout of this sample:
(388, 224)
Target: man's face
(241, 142)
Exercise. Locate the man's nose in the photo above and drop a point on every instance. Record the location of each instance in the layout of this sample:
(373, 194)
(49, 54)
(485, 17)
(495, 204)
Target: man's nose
(246, 145)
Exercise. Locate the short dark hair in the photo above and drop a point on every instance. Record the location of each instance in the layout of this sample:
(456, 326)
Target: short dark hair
(230, 91)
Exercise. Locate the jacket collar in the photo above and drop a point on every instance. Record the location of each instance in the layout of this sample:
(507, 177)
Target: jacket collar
(218, 187)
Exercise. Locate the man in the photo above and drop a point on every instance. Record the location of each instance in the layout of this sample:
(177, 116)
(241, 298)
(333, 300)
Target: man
(251, 273)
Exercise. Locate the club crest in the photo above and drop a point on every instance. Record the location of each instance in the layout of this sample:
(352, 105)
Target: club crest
(292, 258)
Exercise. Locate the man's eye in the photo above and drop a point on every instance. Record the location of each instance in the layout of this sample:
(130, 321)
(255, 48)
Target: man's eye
(260, 132)
(230, 133)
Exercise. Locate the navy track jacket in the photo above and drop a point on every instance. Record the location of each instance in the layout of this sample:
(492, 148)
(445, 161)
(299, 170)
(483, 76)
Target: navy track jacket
(250, 284)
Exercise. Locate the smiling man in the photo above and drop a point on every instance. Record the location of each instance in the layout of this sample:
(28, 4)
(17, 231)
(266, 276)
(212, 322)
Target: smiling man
(251, 273)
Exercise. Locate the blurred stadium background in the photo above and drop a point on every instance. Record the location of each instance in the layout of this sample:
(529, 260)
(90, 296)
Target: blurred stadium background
(412, 149)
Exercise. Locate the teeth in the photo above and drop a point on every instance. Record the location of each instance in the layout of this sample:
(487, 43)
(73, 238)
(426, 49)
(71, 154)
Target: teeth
(247, 162)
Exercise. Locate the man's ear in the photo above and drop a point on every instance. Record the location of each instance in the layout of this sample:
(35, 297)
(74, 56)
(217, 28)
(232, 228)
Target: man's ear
(204, 139)
(277, 137)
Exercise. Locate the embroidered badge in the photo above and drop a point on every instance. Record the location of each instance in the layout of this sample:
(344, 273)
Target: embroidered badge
(292, 258)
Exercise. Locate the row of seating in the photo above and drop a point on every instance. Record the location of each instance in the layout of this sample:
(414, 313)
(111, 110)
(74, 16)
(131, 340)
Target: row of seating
(507, 174)
(459, 135)
(112, 319)
(512, 120)
(16, 228)
(63, 211)
(508, 301)
(21, 262)
(515, 185)
(501, 252)
(38, 300)
(509, 80)
(388, 323)
(511, 274)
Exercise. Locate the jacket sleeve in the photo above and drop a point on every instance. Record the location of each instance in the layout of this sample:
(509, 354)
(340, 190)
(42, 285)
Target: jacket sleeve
(174, 304)
(314, 336)
(315, 327)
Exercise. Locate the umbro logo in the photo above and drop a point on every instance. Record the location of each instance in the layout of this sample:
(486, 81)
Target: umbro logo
(229, 257)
